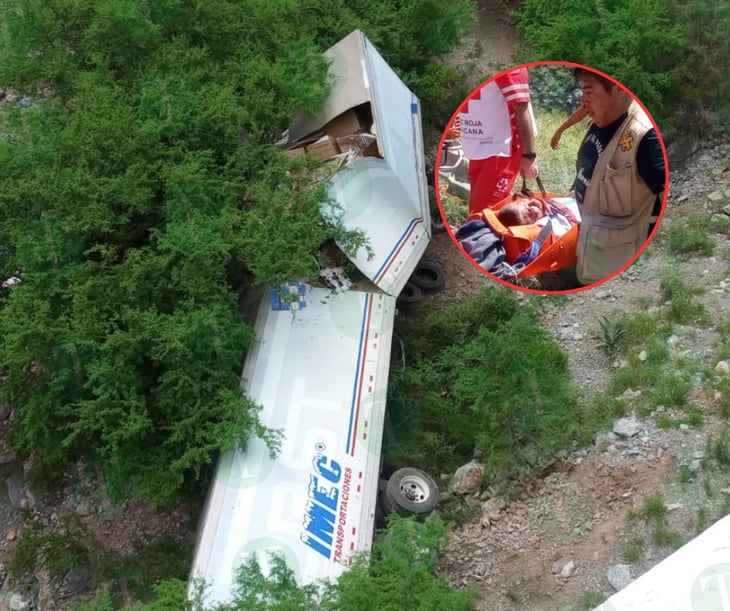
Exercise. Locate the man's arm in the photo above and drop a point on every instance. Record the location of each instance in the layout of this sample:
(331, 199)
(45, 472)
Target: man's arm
(578, 115)
(650, 165)
(526, 131)
(650, 161)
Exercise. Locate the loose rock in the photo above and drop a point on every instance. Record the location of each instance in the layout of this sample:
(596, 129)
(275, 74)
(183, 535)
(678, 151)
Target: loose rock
(75, 581)
(568, 569)
(619, 576)
(626, 427)
(17, 601)
(492, 509)
(716, 196)
(467, 479)
(559, 565)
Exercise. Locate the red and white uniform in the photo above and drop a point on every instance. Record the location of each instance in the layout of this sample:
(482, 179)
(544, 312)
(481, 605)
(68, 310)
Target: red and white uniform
(490, 139)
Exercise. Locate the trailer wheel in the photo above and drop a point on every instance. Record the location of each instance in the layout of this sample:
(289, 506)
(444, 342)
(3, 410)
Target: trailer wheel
(429, 277)
(437, 221)
(409, 297)
(411, 491)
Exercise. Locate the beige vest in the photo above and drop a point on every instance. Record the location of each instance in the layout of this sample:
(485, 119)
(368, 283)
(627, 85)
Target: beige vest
(617, 208)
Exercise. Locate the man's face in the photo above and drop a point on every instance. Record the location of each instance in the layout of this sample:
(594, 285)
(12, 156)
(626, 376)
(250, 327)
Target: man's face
(603, 106)
(534, 211)
(531, 211)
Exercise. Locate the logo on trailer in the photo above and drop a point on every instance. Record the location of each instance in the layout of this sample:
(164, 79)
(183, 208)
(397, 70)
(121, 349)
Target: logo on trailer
(325, 514)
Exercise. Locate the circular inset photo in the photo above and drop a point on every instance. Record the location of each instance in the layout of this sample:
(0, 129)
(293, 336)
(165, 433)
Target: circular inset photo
(551, 177)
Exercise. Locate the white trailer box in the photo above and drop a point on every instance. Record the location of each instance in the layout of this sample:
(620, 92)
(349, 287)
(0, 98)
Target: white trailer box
(320, 366)
(694, 578)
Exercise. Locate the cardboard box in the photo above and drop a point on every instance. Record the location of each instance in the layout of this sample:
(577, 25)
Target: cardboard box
(345, 124)
(295, 152)
(324, 148)
(372, 150)
(356, 143)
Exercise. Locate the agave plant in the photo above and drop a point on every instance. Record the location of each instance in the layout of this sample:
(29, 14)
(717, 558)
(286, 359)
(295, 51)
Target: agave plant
(612, 334)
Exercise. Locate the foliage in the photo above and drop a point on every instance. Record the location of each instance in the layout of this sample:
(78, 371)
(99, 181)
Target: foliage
(686, 475)
(612, 334)
(139, 187)
(703, 519)
(663, 535)
(670, 54)
(557, 167)
(591, 600)
(682, 308)
(653, 511)
(654, 508)
(101, 601)
(690, 236)
(719, 449)
(634, 550)
(552, 87)
(170, 593)
(57, 551)
(483, 372)
(161, 560)
(400, 562)
(276, 590)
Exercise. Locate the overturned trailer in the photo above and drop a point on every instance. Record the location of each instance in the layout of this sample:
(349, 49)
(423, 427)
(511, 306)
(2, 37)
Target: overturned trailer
(320, 364)
(694, 578)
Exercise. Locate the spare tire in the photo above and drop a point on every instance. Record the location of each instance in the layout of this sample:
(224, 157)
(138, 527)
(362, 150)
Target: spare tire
(409, 297)
(429, 277)
(410, 491)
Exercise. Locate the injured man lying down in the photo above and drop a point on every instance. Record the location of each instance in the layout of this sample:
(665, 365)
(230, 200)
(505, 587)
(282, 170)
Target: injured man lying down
(492, 237)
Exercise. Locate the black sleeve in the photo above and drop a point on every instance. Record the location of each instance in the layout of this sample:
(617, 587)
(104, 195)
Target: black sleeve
(650, 161)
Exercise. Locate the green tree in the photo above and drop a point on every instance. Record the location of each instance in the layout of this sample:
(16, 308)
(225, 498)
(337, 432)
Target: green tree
(397, 574)
(483, 373)
(633, 41)
(138, 187)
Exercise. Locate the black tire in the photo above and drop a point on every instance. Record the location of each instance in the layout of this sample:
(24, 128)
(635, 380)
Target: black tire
(410, 491)
(437, 221)
(409, 297)
(429, 277)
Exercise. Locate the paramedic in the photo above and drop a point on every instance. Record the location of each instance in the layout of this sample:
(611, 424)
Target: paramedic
(620, 182)
(498, 138)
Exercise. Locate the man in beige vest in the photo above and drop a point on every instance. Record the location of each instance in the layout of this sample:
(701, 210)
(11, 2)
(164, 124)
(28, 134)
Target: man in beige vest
(620, 182)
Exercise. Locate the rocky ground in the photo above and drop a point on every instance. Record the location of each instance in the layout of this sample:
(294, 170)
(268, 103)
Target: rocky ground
(563, 543)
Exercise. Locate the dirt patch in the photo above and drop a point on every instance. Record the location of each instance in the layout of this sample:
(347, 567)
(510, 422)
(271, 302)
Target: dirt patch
(488, 46)
(137, 524)
(570, 516)
(462, 278)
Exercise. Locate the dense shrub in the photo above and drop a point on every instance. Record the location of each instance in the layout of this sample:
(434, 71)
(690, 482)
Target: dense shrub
(483, 373)
(671, 54)
(138, 184)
